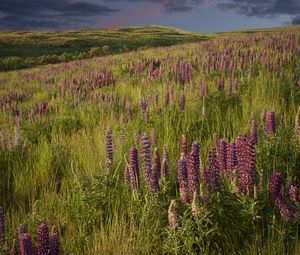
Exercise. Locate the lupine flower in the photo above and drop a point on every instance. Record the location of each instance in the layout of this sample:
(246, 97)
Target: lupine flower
(193, 168)
(143, 105)
(165, 163)
(43, 239)
(146, 161)
(292, 192)
(134, 172)
(153, 138)
(54, 242)
(108, 148)
(173, 215)
(156, 167)
(183, 180)
(287, 212)
(196, 210)
(275, 185)
(211, 173)
(2, 226)
(183, 148)
(222, 155)
(246, 165)
(270, 123)
(26, 246)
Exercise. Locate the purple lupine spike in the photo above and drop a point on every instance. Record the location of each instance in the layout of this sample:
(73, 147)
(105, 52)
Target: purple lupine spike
(287, 212)
(251, 163)
(43, 239)
(143, 104)
(26, 246)
(183, 147)
(156, 167)
(146, 161)
(183, 180)
(231, 160)
(165, 163)
(193, 168)
(108, 148)
(275, 185)
(2, 226)
(222, 156)
(214, 174)
(54, 242)
(153, 137)
(270, 123)
(182, 102)
(292, 192)
(253, 131)
(134, 172)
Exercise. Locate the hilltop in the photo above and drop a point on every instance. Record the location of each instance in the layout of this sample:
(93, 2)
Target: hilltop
(20, 49)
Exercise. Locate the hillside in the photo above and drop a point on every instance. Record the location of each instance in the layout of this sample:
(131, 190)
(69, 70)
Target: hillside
(33, 48)
(185, 149)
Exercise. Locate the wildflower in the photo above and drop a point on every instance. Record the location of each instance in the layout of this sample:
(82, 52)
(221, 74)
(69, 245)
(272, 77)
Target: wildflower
(193, 168)
(108, 148)
(173, 215)
(54, 242)
(43, 239)
(183, 180)
(270, 123)
(26, 246)
(196, 210)
(146, 161)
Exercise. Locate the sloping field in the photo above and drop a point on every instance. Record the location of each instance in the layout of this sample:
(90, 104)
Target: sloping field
(188, 149)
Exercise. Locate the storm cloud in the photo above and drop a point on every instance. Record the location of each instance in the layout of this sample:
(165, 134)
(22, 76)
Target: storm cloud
(49, 14)
(264, 8)
(69, 14)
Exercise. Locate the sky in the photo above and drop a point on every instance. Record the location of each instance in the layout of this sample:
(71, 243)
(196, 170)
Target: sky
(194, 15)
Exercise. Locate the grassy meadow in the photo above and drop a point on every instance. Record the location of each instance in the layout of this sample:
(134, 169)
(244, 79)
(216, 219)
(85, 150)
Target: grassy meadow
(186, 149)
(23, 49)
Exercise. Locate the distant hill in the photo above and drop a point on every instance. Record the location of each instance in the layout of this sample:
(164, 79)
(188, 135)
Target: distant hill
(19, 49)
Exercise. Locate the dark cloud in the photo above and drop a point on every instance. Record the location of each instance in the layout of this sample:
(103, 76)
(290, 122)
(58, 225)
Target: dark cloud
(296, 20)
(49, 14)
(264, 8)
(173, 5)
